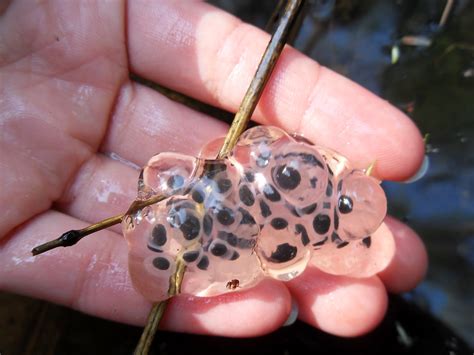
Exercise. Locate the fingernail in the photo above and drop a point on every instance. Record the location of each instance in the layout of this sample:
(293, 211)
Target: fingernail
(293, 313)
(421, 172)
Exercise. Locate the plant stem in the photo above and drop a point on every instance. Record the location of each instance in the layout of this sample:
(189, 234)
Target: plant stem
(158, 309)
(264, 70)
(71, 237)
(148, 334)
(240, 122)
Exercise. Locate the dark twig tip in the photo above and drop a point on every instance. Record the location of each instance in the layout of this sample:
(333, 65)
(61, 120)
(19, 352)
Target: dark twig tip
(70, 238)
(65, 240)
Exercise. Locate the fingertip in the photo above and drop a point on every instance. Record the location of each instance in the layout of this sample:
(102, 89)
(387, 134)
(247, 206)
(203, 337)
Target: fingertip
(362, 127)
(403, 155)
(410, 262)
(340, 305)
(247, 313)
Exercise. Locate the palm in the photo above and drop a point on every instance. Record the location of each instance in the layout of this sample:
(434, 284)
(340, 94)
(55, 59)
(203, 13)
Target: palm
(67, 102)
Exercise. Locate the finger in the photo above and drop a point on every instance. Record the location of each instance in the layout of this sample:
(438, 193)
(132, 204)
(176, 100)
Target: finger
(92, 277)
(410, 262)
(142, 115)
(101, 188)
(146, 123)
(58, 86)
(82, 277)
(34, 170)
(216, 66)
(236, 314)
(339, 305)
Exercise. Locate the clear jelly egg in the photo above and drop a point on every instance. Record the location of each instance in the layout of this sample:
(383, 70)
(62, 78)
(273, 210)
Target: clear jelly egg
(273, 205)
(167, 174)
(299, 173)
(361, 205)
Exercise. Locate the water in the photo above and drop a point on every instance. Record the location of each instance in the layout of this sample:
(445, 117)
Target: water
(435, 86)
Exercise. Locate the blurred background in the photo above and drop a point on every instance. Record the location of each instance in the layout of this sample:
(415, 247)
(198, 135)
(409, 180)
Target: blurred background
(419, 55)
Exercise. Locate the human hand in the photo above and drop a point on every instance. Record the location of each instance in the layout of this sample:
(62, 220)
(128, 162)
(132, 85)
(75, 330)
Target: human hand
(67, 103)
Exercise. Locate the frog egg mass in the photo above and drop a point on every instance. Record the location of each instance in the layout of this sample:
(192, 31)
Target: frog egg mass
(274, 205)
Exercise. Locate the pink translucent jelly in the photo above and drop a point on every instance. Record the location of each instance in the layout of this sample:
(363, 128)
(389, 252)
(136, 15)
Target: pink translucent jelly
(275, 204)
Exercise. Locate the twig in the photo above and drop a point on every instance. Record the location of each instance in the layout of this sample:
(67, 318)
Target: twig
(446, 12)
(158, 309)
(240, 122)
(264, 70)
(277, 11)
(71, 237)
(156, 313)
(148, 334)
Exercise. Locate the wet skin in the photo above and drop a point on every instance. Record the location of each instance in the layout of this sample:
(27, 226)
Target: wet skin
(67, 103)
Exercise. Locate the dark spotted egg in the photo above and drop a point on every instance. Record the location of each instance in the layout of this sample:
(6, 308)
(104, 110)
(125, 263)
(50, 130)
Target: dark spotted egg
(273, 205)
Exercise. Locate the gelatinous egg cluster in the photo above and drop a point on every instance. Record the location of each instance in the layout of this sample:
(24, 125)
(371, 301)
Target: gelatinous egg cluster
(273, 205)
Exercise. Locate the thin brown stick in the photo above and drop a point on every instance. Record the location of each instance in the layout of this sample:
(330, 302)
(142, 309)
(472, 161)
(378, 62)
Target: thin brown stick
(158, 309)
(446, 12)
(240, 122)
(277, 11)
(71, 237)
(148, 334)
(264, 70)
